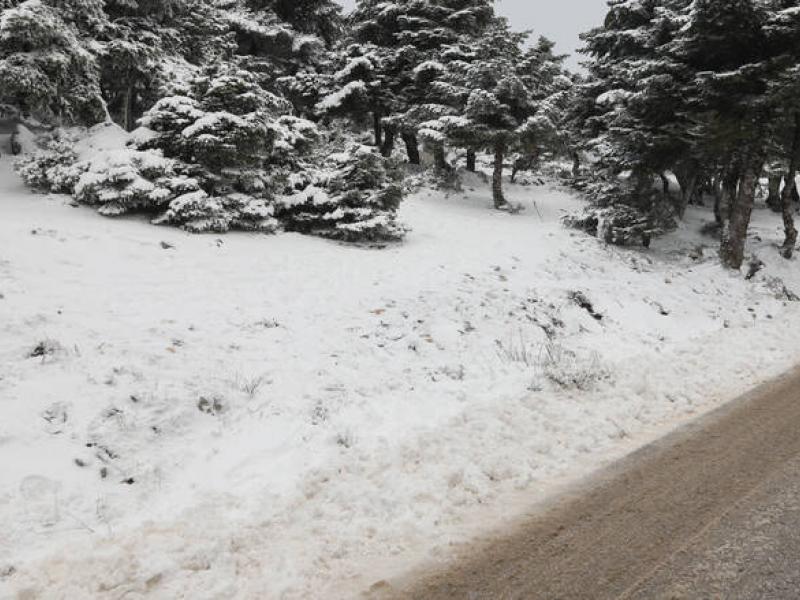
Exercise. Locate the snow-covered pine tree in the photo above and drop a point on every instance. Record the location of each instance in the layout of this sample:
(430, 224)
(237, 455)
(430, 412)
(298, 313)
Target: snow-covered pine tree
(637, 86)
(724, 42)
(148, 41)
(48, 64)
(783, 29)
(497, 106)
(550, 91)
(357, 88)
(277, 41)
(353, 198)
(320, 18)
(629, 111)
(413, 35)
(224, 133)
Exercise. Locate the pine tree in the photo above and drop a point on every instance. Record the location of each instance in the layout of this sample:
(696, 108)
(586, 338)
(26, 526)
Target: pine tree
(48, 67)
(498, 103)
(724, 43)
(784, 47)
(637, 86)
(224, 132)
(412, 34)
(354, 198)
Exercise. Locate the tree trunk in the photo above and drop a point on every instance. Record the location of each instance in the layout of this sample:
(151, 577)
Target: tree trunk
(470, 160)
(735, 234)
(389, 133)
(664, 184)
(787, 210)
(730, 179)
(687, 181)
(412, 148)
(126, 109)
(377, 129)
(774, 198)
(718, 190)
(497, 176)
(439, 159)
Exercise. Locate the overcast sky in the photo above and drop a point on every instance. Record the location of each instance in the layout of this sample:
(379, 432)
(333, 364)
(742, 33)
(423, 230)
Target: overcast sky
(560, 20)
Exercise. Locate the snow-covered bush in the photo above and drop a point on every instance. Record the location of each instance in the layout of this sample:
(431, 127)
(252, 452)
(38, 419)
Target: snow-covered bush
(354, 199)
(128, 180)
(234, 139)
(215, 159)
(50, 169)
(569, 370)
(99, 169)
(198, 212)
(621, 216)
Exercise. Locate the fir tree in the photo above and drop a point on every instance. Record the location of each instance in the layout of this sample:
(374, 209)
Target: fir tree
(224, 132)
(412, 34)
(48, 66)
(353, 199)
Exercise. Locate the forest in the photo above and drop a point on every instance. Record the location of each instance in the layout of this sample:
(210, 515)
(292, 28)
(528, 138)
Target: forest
(266, 114)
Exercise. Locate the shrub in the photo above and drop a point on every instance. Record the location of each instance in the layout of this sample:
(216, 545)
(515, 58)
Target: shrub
(621, 216)
(50, 169)
(355, 200)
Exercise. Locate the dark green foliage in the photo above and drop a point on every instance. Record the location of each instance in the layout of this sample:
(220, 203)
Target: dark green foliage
(354, 199)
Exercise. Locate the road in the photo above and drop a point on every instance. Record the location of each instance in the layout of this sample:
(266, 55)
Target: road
(711, 511)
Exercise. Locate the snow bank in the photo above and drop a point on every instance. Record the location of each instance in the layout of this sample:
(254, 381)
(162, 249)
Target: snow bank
(283, 417)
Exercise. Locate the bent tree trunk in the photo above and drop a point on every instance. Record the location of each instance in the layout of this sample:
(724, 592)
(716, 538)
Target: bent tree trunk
(790, 232)
(497, 176)
(412, 147)
(377, 128)
(389, 133)
(470, 160)
(735, 234)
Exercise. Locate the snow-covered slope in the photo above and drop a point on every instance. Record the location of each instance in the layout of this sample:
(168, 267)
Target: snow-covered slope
(284, 417)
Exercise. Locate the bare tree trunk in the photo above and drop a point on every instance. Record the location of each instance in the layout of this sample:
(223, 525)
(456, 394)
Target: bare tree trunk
(497, 176)
(735, 235)
(377, 128)
(412, 147)
(439, 159)
(774, 198)
(664, 184)
(787, 210)
(687, 181)
(470, 160)
(730, 179)
(718, 189)
(389, 133)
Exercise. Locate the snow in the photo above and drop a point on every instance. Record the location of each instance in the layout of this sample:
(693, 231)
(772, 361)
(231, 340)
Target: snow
(335, 100)
(286, 417)
(214, 121)
(26, 139)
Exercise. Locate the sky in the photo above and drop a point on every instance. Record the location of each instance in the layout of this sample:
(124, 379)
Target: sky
(560, 20)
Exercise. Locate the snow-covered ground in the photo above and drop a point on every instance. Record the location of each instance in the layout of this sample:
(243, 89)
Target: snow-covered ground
(284, 417)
